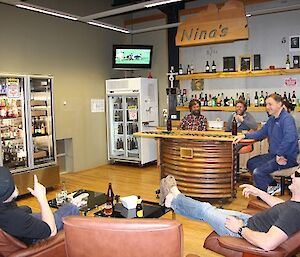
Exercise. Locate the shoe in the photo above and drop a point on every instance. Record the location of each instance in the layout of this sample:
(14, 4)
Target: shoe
(165, 186)
(272, 190)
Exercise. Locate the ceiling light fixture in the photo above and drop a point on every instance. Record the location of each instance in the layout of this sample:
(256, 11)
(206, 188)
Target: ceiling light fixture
(161, 3)
(106, 26)
(31, 8)
(248, 14)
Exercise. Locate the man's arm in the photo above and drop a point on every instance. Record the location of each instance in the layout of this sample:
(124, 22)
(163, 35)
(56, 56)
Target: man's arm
(260, 134)
(39, 192)
(289, 137)
(267, 241)
(268, 199)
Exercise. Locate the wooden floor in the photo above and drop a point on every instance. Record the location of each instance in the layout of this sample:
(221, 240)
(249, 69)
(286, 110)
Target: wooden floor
(128, 180)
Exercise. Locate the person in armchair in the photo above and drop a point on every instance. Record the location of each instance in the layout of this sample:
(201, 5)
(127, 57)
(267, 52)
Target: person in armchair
(267, 229)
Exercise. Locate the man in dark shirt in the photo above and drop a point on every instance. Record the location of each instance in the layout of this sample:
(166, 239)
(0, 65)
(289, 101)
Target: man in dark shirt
(27, 227)
(267, 229)
(245, 121)
(195, 120)
(282, 135)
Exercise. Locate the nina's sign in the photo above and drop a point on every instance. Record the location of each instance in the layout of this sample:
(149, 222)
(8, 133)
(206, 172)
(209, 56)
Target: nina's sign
(214, 25)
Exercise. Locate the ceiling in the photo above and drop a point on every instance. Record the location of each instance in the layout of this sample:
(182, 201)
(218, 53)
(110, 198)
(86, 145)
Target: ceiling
(102, 13)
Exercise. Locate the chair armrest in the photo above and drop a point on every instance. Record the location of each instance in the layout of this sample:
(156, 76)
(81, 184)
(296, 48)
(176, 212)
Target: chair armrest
(241, 245)
(53, 246)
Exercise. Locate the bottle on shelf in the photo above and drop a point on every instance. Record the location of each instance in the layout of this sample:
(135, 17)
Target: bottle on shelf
(188, 69)
(289, 98)
(261, 99)
(169, 123)
(207, 68)
(256, 101)
(284, 96)
(287, 63)
(294, 98)
(205, 100)
(108, 208)
(43, 128)
(139, 208)
(180, 70)
(234, 127)
(213, 67)
(248, 102)
(192, 69)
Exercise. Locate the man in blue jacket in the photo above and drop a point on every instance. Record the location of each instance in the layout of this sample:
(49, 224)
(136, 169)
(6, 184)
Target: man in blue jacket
(282, 135)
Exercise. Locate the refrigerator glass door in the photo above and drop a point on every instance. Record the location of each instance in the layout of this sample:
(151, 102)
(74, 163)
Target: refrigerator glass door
(132, 126)
(12, 123)
(116, 126)
(42, 120)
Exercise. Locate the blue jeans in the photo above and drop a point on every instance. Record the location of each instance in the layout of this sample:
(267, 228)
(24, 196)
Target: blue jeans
(204, 211)
(67, 209)
(261, 166)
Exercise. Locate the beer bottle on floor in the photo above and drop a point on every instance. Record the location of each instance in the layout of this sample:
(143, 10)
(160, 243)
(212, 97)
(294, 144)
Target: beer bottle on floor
(234, 127)
(139, 208)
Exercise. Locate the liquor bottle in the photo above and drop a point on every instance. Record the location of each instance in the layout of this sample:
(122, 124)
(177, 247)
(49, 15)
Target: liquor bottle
(188, 69)
(261, 99)
(222, 99)
(266, 96)
(234, 127)
(287, 63)
(213, 67)
(43, 131)
(192, 69)
(231, 102)
(248, 102)
(218, 100)
(180, 71)
(169, 123)
(207, 68)
(209, 102)
(108, 208)
(226, 101)
(290, 99)
(202, 101)
(284, 96)
(139, 208)
(256, 103)
(294, 98)
(205, 100)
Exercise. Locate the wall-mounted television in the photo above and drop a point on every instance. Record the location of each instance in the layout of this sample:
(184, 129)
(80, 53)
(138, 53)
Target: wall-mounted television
(132, 57)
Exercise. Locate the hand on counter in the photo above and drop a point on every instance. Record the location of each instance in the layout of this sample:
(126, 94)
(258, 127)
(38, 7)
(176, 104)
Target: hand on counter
(238, 139)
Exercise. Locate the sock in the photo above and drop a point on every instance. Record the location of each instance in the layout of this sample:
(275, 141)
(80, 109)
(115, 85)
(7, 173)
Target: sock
(175, 191)
(168, 200)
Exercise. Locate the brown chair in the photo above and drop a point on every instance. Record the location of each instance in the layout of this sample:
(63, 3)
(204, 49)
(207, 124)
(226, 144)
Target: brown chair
(238, 247)
(106, 237)
(12, 247)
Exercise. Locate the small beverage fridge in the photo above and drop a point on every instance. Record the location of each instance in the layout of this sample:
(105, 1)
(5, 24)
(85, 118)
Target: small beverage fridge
(132, 106)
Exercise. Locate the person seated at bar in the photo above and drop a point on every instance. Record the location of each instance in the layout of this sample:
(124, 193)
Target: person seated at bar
(27, 227)
(280, 129)
(245, 121)
(267, 229)
(195, 120)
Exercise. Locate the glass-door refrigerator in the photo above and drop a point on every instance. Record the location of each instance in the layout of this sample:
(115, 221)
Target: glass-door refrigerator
(27, 129)
(132, 106)
(13, 119)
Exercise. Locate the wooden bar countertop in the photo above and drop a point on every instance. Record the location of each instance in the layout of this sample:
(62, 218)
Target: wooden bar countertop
(191, 134)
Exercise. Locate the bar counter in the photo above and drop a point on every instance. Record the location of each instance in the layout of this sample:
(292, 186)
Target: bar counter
(204, 163)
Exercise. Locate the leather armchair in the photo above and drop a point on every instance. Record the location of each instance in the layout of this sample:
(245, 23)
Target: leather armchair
(238, 247)
(106, 237)
(12, 247)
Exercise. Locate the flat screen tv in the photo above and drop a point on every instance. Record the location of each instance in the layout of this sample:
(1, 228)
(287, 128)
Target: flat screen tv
(132, 57)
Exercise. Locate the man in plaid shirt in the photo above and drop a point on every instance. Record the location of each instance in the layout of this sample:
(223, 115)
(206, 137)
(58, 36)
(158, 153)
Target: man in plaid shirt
(195, 120)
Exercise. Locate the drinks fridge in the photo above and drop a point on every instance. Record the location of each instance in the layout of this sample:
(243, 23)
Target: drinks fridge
(132, 106)
(27, 129)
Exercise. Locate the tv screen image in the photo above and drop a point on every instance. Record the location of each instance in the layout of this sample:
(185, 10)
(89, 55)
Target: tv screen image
(132, 56)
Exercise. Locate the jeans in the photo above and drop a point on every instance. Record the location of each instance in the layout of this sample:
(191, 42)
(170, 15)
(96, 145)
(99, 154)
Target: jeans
(67, 209)
(204, 211)
(262, 165)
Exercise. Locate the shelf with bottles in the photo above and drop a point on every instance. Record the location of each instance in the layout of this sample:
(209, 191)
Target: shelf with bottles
(14, 155)
(39, 127)
(10, 108)
(238, 74)
(132, 128)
